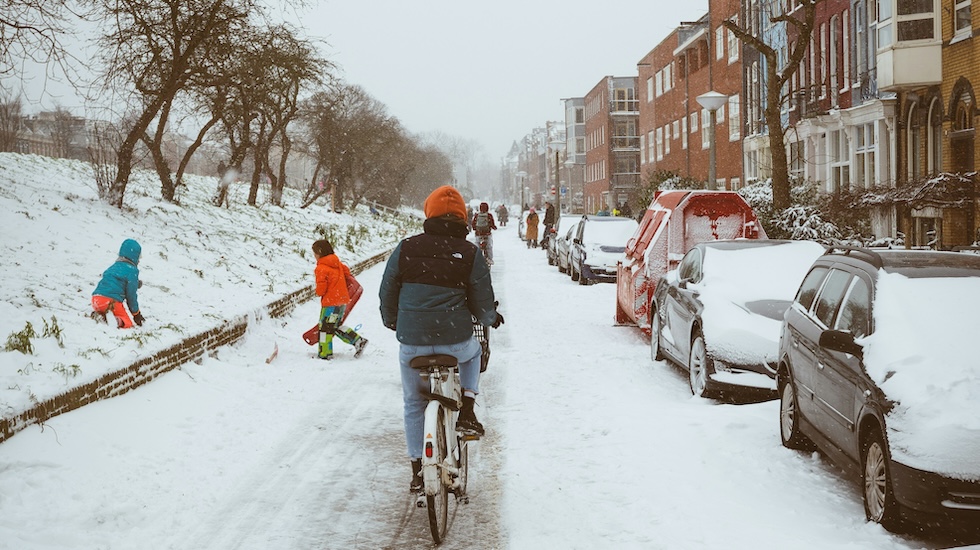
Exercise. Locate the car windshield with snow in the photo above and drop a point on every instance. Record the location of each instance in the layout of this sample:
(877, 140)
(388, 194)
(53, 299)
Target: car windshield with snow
(598, 244)
(719, 313)
(878, 368)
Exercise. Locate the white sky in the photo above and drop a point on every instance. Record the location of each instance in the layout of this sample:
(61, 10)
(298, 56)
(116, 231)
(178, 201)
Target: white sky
(486, 71)
(490, 71)
(590, 444)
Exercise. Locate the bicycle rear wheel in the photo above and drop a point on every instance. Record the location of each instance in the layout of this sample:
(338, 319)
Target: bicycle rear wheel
(438, 503)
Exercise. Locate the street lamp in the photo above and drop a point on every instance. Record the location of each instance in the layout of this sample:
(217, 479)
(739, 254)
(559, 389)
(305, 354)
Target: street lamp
(712, 101)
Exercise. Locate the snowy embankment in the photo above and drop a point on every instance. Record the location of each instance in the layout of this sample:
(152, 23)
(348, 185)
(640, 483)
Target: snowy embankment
(58, 238)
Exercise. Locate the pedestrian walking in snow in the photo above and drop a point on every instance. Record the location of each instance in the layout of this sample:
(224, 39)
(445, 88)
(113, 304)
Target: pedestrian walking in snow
(531, 231)
(331, 286)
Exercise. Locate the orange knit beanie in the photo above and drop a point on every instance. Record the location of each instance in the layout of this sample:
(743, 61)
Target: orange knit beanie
(445, 200)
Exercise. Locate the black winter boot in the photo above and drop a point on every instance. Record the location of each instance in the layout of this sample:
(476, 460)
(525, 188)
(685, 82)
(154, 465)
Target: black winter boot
(416, 484)
(467, 422)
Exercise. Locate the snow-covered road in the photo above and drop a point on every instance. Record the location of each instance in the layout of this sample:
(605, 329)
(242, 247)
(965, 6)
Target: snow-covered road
(589, 445)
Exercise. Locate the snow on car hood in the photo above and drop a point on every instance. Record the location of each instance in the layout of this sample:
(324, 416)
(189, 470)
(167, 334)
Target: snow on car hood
(923, 355)
(745, 292)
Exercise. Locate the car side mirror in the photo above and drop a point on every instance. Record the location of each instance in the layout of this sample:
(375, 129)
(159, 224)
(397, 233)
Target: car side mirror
(839, 340)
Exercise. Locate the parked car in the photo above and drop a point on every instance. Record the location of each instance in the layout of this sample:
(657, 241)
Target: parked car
(562, 222)
(597, 246)
(563, 245)
(878, 369)
(720, 312)
(673, 223)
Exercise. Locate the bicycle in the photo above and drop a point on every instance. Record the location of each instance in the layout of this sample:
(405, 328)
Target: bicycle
(445, 451)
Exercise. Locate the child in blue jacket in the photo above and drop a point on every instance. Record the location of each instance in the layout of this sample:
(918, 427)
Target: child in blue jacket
(119, 284)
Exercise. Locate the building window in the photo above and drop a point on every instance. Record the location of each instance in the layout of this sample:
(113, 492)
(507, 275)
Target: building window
(734, 121)
(732, 45)
(796, 159)
(865, 148)
(684, 133)
(660, 84)
(962, 20)
(666, 139)
(839, 155)
(912, 20)
(650, 145)
(705, 124)
(694, 122)
(720, 43)
(649, 89)
(934, 141)
(914, 144)
(677, 129)
(660, 144)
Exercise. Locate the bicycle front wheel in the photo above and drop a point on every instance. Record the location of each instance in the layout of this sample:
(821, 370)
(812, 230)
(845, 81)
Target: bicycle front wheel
(438, 503)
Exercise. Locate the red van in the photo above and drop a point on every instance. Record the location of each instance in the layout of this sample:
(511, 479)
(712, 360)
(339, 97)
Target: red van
(675, 222)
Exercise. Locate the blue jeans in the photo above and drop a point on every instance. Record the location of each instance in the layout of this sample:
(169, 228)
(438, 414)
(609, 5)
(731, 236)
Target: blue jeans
(413, 385)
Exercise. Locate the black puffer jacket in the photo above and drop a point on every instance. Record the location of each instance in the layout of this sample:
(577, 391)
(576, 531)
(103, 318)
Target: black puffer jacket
(432, 285)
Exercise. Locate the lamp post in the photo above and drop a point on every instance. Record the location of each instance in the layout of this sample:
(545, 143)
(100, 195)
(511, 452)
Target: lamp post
(712, 101)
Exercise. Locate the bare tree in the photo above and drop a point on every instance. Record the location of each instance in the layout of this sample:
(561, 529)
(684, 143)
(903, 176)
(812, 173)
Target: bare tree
(154, 48)
(800, 22)
(289, 67)
(33, 30)
(11, 113)
(65, 127)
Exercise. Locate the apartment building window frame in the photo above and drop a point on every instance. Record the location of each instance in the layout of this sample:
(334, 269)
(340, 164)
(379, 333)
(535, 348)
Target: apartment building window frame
(733, 43)
(904, 21)
(705, 134)
(734, 118)
(934, 140)
(797, 154)
(864, 175)
(914, 143)
(659, 132)
(839, 157)
(666, 139)
(720, 43)
(962, 19)
(684, 133)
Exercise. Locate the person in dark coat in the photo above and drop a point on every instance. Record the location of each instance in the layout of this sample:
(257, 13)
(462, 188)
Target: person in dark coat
(431, 289)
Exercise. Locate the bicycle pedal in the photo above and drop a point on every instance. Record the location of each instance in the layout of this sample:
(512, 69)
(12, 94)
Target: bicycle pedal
(420, 500)
(468, 436)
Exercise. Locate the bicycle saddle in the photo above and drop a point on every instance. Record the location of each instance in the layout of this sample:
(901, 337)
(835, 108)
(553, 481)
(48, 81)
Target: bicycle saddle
(438, 360)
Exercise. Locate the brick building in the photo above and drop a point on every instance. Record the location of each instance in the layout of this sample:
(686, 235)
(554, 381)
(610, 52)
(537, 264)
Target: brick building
(612, 143)
(696, 58)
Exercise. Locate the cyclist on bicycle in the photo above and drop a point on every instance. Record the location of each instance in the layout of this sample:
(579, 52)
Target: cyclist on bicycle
(483, 224)
(431, 288)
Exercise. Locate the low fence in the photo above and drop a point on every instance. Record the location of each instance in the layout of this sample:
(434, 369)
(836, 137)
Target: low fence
(148, 368)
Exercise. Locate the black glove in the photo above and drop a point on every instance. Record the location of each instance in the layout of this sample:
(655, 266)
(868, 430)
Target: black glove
(499, 321)
(138, 319)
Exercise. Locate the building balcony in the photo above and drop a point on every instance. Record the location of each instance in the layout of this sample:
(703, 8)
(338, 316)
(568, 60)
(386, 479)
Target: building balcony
(624, 106)
(625, 143)
(625, 180)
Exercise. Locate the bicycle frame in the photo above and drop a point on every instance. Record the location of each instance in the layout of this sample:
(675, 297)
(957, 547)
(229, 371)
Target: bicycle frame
(445, 394)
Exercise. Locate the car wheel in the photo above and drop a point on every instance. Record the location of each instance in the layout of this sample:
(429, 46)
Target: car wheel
(789, 416)
(574, 274)
(880, 505)
(561, 268)
(699, 366)
(551, 260)
(655, 353)
(582, 280)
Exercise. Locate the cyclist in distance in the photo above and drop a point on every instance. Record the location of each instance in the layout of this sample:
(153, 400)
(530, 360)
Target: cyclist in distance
(483, 224)
(432, 288)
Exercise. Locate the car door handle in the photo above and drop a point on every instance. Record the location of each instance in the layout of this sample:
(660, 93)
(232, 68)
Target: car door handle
(819, 365)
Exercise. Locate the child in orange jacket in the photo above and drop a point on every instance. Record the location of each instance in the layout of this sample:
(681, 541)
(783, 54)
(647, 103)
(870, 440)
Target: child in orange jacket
(331, 286)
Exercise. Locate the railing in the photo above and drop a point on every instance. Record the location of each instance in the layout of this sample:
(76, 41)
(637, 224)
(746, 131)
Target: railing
(624, 105)
(626, 181)
(626, 142)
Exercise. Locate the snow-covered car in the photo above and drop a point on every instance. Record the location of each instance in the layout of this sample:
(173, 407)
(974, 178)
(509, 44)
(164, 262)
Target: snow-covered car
(562, 246)
(878, 367)
(598, 244)
(561, 224)
(719, 314)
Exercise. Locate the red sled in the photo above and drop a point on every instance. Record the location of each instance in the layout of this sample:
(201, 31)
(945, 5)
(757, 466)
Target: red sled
(354, 290)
